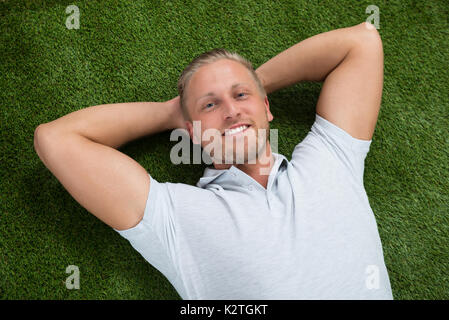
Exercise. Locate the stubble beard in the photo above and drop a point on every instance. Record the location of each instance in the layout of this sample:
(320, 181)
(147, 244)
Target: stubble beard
(253, 147)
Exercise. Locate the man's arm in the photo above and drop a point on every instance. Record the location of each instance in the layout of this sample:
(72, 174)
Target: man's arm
(79, 149)
(349, 61)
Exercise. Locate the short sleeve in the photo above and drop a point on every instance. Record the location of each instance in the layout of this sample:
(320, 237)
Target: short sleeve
(328, 141)
(154, 237)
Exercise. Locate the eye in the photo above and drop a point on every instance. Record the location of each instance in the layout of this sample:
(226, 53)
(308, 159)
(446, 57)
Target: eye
(208, 105)
(241, 93)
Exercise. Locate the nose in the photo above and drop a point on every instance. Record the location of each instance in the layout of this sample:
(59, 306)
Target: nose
(230, 110)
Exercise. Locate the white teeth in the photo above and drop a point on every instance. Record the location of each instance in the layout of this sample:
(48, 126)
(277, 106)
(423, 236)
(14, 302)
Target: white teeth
(235, 130)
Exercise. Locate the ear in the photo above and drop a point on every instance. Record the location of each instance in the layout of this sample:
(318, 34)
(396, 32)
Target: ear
(189, 127)
(267, 107)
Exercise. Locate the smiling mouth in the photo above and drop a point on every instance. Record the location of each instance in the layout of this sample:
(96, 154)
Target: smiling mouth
(236, 131)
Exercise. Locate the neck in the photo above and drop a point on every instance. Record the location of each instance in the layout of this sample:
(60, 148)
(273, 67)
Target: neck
(260, 170)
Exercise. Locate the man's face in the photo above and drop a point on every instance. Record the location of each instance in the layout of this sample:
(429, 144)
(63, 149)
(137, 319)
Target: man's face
(221, 95)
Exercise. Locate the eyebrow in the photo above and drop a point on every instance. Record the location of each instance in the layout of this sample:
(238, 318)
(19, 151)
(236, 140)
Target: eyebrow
(212, 94)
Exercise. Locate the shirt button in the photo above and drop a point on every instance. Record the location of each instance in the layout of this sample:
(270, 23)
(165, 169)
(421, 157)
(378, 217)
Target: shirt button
(250, 188)
(233, 174)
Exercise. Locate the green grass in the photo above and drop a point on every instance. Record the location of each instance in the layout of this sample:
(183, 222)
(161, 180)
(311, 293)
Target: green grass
(130, 51)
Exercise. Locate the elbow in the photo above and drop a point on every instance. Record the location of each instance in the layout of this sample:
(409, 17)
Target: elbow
(367, 41)
(37, 133)
(369, 36)
(41, 138)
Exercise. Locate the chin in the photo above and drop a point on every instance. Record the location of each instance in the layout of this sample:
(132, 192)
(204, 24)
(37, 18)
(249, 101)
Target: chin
(236, 153)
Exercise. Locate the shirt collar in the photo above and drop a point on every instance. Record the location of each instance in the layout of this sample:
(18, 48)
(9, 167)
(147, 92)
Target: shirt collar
(228, 176)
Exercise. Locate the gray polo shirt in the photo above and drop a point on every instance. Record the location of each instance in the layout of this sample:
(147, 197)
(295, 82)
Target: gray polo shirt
(311, 234)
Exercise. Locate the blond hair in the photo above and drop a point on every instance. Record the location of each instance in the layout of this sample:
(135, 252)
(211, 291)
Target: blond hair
(205, 59)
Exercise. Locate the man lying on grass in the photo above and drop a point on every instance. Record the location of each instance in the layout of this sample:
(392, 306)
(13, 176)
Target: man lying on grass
(260, 227)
